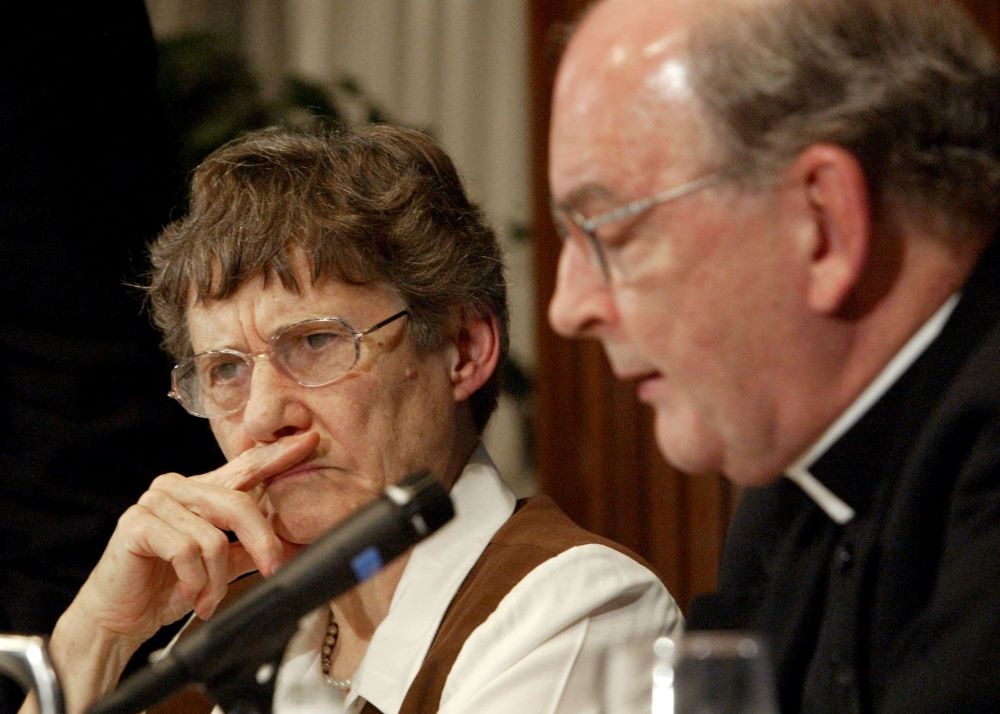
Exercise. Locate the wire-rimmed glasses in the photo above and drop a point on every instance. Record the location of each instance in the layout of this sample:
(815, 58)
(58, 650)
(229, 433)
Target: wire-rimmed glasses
(564, 217)
(313, 353)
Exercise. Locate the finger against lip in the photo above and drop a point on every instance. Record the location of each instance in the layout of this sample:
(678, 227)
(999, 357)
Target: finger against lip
(261, 462)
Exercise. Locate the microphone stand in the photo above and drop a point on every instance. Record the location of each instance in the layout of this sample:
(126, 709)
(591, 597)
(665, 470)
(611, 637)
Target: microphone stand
(241, 678)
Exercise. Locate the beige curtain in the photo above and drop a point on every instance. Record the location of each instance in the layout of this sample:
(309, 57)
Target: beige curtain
(456, 68)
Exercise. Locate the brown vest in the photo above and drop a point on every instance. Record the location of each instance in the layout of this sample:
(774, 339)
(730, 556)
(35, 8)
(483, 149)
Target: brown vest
(538, 530)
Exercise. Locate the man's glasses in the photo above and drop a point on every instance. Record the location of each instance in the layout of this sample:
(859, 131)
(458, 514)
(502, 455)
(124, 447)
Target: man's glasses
(314, 353)
(593, 246)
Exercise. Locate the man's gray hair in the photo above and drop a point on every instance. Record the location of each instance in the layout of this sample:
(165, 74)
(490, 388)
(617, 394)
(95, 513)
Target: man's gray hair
(910, 87)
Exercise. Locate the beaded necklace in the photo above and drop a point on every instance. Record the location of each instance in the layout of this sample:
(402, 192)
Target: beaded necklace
(326, 655)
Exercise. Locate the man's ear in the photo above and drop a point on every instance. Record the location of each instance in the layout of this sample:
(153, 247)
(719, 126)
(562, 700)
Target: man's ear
(476, 357)
(833, 226)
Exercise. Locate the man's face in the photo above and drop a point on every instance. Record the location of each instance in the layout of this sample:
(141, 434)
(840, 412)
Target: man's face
(391, 415)
(688, 313)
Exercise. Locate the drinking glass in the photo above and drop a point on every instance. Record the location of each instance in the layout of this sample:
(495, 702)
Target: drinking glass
(699, 673)
(636, 677)
(722, 673)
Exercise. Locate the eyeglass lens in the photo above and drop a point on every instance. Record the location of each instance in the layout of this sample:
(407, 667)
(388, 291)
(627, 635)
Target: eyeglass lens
(313, 353)
(569, 229)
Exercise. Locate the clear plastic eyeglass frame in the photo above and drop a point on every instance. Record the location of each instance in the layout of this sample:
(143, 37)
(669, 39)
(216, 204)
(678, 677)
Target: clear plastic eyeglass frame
(184, 370)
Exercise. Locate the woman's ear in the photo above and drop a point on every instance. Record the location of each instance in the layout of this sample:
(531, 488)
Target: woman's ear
(833, 228)
(476, 356)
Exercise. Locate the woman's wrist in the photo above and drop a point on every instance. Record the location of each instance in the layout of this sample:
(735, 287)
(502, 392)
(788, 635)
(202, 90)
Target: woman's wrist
(88, 658)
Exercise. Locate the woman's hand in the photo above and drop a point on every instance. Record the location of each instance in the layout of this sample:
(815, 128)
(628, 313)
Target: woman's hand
(170, 552)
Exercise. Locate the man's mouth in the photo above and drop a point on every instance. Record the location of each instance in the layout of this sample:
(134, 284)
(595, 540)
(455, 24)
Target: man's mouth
(646, 384)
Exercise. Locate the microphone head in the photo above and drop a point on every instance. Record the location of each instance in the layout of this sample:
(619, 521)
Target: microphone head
(424, 501)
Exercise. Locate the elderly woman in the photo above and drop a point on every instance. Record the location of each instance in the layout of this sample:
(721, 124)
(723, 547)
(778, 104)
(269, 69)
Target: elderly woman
(337, 308)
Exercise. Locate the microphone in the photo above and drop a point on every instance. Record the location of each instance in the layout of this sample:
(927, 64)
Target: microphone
(257, 627)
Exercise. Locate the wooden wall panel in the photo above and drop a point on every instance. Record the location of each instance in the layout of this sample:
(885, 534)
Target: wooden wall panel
(987, 14)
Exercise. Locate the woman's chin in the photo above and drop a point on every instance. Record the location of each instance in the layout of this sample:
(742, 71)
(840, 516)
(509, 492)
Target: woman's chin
(290, 550)
(301, 517)
(298, 531)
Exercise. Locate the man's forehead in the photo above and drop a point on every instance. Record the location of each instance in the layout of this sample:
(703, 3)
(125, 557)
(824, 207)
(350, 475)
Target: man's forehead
(630, 48)
(615, 54)
(633, 137)
(623, 95)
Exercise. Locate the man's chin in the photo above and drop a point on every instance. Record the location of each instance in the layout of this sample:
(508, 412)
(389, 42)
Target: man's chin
(684, 446)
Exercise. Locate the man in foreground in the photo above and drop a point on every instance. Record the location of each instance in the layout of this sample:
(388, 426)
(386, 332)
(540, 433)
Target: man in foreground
(779, 221)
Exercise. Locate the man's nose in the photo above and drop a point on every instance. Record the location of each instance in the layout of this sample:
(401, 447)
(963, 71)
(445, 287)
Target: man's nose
(582, 302)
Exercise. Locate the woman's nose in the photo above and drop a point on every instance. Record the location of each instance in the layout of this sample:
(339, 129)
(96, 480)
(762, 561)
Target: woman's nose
(274, 406)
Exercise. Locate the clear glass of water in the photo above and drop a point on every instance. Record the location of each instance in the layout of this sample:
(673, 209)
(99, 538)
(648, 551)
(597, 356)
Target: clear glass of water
(699, 673)
(722, 673)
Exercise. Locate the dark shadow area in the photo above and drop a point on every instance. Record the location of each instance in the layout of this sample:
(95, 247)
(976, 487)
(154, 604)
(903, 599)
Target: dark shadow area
(89, 174)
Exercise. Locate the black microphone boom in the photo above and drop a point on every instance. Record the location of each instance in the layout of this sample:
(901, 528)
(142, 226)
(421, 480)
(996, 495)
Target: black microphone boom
(256, 628)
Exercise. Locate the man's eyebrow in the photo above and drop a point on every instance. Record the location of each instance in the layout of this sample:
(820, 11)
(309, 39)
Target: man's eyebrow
(583, 194)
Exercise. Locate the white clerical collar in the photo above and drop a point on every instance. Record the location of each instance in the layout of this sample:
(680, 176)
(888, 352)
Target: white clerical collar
(798, 472)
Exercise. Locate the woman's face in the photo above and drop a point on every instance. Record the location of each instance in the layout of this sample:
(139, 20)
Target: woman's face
(392, 414)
